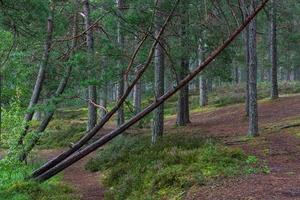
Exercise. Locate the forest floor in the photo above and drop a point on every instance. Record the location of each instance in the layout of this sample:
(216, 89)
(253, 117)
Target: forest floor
(278, 146)
(86, 184)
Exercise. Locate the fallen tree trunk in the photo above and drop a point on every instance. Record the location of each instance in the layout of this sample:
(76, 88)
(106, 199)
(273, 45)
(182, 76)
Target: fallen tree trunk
(100, 142)
(106, 118)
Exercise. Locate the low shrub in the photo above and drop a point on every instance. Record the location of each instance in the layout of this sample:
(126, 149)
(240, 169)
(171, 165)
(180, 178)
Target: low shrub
(133, 168)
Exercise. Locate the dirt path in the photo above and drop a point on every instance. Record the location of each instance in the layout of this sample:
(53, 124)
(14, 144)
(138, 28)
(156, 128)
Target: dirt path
(86, 184)
(280, 149)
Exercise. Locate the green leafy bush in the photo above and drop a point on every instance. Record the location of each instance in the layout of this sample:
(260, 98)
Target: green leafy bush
(133, 168)
(13, 173)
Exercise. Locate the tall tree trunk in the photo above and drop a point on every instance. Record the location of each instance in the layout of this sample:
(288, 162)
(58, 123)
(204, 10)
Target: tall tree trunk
(159, 68)
(137, 95)
(183, 97)
(236, 75)
(92, 91)
(203, 87)
(273, 50)
(203, 101)
(246, 45)
(253, 116)
(103, 100)
(40, 77)
(121, 83)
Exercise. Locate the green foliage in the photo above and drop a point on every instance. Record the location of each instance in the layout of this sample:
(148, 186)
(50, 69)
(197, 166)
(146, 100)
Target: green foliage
(12, 125)
(13, 173)
(14, 186)
(67, 126)
(133, 168)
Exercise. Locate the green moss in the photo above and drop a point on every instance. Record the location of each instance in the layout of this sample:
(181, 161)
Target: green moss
(133, 168)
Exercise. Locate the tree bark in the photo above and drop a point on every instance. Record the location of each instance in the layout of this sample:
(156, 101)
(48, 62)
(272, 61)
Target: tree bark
(236, 75)
(253, 116)
(103, 101)
(246, 45)
(121, 83)
(203, 101)
(40, 77)
(137, 95)
(183, 97)
(92, 91)
(100, 142)
(159, 68)
(203, 82)
(273, 50)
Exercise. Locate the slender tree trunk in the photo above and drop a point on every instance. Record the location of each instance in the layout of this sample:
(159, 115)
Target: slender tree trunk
(183, 96)
(203, 101)
(92, 90)
(40, 77)
(246, 44)
(203, 87)
(60, 89)
(273, 50)
(137, 96)
(236, 75)
(159, 68)
(253, 116)
(103, 101)
(121, 83)
(92, 110)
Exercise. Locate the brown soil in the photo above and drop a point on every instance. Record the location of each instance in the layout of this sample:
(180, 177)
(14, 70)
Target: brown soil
(280, 149)
(86, 184)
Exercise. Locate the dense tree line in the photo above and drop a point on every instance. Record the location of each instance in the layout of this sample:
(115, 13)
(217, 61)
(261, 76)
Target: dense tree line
(92, 53)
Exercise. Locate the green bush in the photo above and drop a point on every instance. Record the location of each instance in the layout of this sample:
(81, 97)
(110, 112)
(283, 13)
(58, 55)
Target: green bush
(133, 168)
(13, 173)
(14, 186)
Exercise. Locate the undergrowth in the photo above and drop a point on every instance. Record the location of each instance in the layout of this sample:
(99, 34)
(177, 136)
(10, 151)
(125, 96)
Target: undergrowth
(67, 126)
(13, 172)
(133, 168)
(14, 186)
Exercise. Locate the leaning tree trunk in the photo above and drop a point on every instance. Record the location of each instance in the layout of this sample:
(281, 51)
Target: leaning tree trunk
(40, 77)
(100, 142)
(273, 50)
(92, 91)
(121, 82)
(183, 97)
(60, 89)
(159, 68)
(253, 116)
